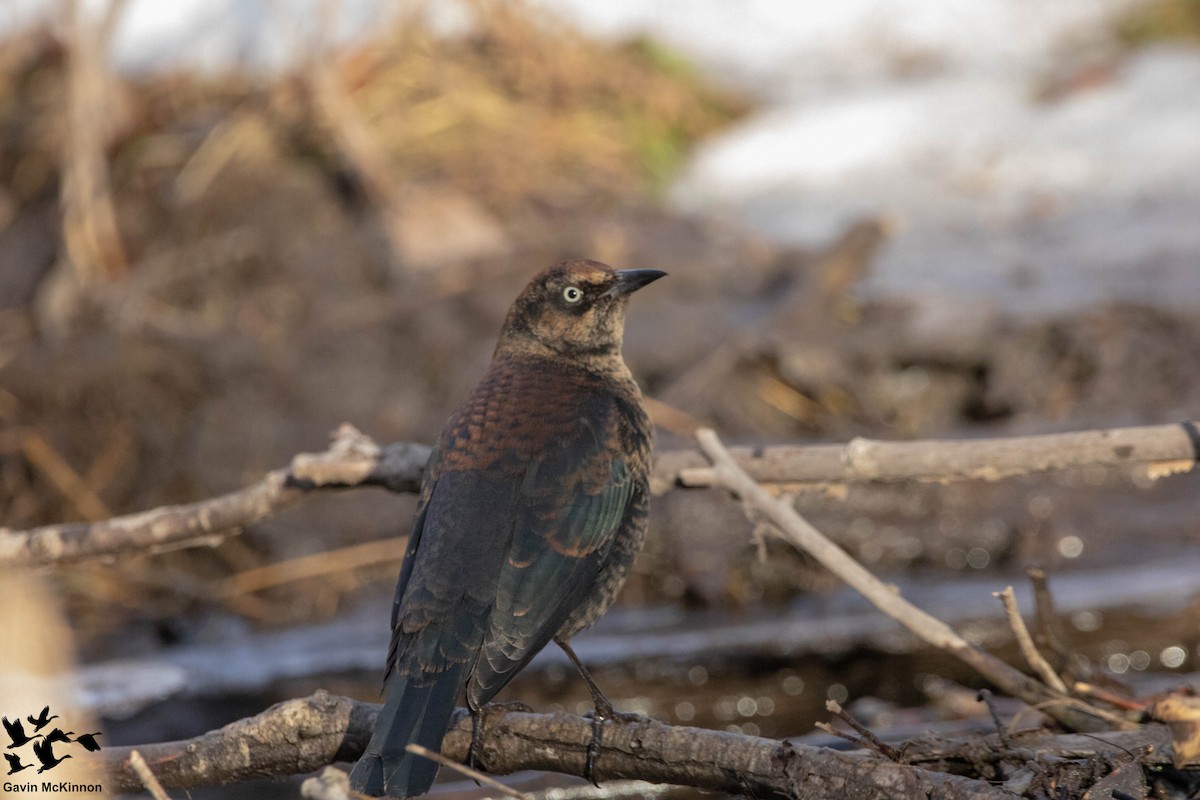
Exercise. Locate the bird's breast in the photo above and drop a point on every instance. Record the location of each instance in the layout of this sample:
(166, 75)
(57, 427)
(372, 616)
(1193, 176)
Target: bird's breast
(522, 410)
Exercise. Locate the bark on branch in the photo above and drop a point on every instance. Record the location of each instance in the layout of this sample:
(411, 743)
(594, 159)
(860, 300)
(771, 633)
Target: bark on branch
(1164, 448)
(351, 460)
(303, 735)
(355, 460)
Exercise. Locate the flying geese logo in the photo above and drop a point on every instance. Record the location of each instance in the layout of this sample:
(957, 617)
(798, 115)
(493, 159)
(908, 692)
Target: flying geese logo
(36, 745)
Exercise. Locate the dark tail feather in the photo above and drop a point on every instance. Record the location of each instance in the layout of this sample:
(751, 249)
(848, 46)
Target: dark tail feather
(410, 714)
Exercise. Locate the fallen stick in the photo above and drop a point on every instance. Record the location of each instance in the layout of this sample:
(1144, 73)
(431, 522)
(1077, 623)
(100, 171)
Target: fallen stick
(1029, 651)
(306, 734)
(793, 528)
(1162, 448)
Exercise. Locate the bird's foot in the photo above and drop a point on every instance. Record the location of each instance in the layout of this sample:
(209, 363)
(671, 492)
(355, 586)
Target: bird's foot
(604, 713)
(479, 721)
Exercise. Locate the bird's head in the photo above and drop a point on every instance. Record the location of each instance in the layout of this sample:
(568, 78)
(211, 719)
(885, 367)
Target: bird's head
(574, 309)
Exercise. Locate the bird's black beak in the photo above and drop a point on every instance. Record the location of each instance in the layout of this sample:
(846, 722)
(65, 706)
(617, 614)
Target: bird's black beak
(630, 280)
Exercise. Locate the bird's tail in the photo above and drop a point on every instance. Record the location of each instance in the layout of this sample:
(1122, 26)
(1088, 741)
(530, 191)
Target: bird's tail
(410, 714)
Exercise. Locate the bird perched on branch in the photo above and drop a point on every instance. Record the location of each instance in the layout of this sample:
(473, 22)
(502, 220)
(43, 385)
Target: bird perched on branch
(532, 508)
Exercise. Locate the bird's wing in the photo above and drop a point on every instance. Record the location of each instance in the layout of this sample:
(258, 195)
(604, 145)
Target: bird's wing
(571, 503)
(448, 581)
(428, 482)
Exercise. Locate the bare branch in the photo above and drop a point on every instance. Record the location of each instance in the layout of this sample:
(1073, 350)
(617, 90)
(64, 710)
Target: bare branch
(303, 735)
(142, 770)
(1051, 629)
(352, 460)
(869, 738)
(1029, 651)
(355, 460)
(1174, 447)
(795, 529)
(463, 769)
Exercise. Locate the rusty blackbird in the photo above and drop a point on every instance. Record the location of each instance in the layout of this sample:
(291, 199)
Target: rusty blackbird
(532, 508)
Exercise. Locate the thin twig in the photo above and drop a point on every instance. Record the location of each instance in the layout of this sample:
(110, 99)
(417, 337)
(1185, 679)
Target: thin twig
(985, 697)
(326, 562)
(1085, 689)
(1050, 628)
(43, 457)
(147, 778)
(463, 769)
(796, 530)
(1025, 643)
(853, 738)
(877, 744)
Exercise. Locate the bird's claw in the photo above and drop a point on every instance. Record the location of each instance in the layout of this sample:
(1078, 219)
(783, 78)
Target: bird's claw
(593, 748)
(479, 719)
(602, 714)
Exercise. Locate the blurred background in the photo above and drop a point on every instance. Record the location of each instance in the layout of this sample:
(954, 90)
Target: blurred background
(226, 228)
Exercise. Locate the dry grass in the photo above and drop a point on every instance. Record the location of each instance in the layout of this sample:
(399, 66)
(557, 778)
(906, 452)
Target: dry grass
(527, 109)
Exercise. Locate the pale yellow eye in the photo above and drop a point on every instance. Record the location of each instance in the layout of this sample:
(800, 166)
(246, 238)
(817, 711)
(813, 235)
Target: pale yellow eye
(572, 294)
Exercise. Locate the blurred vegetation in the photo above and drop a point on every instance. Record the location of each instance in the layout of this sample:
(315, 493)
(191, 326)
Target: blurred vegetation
(528, 109)
(273, 228)
(1162, 19)
(521, 109)
(215, 178)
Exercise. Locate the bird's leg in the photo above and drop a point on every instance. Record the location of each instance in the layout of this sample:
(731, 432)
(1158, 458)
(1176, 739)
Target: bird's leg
(477, 723)
(479, 717)
(604, 712)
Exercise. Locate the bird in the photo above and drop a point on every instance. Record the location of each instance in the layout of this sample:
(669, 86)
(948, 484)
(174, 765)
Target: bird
(532, 507)
(58, 735)
(45, 754)
(14, 763)
(16, 732)
(88, 740)
(42, 720)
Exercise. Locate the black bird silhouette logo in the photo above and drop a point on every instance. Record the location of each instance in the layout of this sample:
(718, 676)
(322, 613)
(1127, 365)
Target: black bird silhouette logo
(88, 740)
(42, 720)
(14, 763)
(43, 743)
(16, 732)
(44, 751)
(58, 735)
